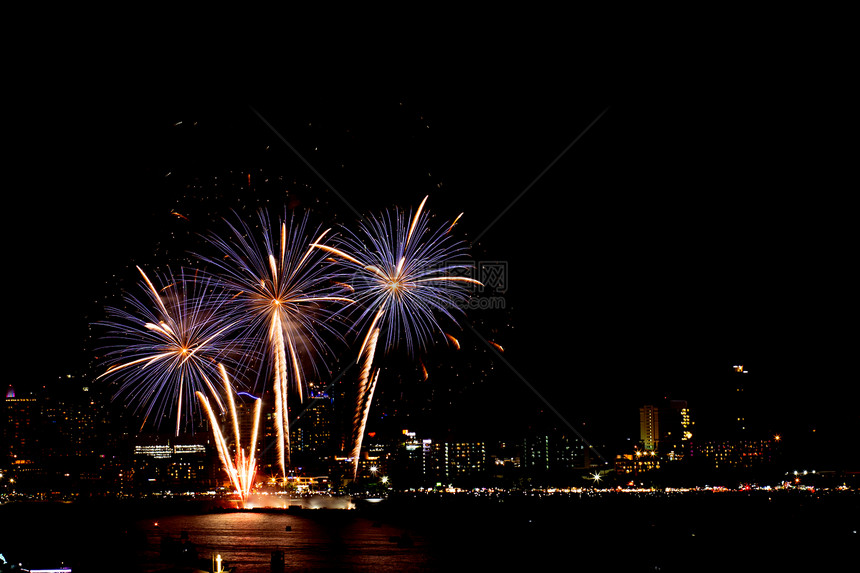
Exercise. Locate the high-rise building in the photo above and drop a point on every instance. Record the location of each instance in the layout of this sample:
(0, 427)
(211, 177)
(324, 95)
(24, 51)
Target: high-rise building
(267, 461)
(311, 431)
(649, 427)
(185, 463)
(59, 441)
(739, 402)
(552, 452)
(423, 462)
(410, 460)
(667, 427)
(73, 435)
(20, 434)
(737, 454)
(465, 460)
(536, 453)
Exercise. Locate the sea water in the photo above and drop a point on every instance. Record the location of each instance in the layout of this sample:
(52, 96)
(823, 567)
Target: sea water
(764, 531)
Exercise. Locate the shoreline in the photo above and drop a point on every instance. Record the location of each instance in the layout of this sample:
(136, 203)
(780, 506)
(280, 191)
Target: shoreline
(523, 529)
(359, 504)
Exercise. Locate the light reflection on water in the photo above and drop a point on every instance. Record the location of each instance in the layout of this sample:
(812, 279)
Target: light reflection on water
(323, 540)
(306, 502)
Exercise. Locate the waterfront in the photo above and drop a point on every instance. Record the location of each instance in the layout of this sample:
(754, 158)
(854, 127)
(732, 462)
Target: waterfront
(647, 531)
(327, 540)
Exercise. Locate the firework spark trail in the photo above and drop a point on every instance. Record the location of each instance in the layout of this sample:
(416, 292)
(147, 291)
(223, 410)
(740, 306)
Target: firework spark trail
(258, 408)
(242, 468)
(365, 410)
(220, 444)
(281, 300)
(282, 431)
(402, 280)
(364, 397)
(232, 402)
(167, 346)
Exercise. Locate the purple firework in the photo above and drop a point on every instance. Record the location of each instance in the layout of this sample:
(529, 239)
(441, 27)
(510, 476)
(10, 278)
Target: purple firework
(405, 275)
(168, 346)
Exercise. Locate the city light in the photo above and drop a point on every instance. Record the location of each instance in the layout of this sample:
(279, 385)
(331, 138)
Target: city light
(226, 318)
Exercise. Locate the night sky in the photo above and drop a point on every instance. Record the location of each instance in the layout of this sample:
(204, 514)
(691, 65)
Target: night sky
(656, 231)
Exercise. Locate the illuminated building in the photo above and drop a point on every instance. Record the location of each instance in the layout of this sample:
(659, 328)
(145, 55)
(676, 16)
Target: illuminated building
(20, 433)
(464, 460)
(536, 455)
(739, 405)
(552, 454)
(506, 462)
(410, 460)
(305, 484)
(649, 427)
(637, 462)
(372, 465)
(665, 434)
(507, 454)
(268, 458)
(425, 462)
(75, 437)
(666, 429)
(183, 464)
(311, 432)
(682, 423)
(61, 442)
(736, 454)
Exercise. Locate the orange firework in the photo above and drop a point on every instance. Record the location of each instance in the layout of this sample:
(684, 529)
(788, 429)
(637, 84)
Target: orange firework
(242, 467)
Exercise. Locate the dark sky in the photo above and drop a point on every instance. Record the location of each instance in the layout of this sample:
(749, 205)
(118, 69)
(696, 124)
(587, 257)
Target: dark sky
(656, 229)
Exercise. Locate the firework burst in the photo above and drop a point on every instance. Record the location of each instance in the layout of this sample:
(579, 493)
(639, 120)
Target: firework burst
(405, 275)
(282, 300)
(166, 347)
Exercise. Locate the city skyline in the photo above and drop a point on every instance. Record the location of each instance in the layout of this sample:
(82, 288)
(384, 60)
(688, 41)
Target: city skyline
(615, 288)
(665, 242)
(66, 442)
